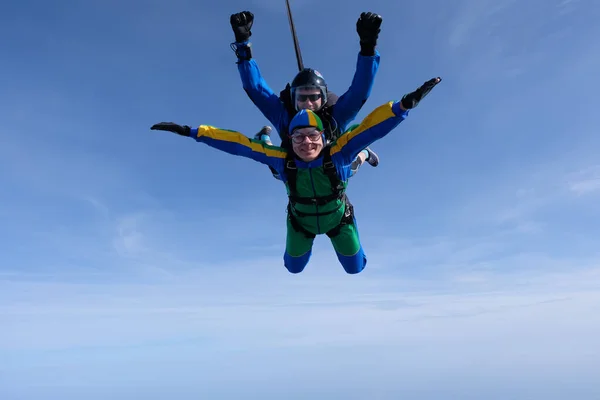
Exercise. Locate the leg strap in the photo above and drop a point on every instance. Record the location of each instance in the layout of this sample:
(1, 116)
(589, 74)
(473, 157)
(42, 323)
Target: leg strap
(348, 218)
(296, 225)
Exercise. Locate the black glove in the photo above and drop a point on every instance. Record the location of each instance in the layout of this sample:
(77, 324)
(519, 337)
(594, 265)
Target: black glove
(411, 100)
(182, 130)
(368, 30)
(241, 23)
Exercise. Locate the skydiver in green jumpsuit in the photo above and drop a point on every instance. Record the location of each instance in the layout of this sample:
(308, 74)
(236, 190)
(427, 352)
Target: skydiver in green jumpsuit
(315, 174)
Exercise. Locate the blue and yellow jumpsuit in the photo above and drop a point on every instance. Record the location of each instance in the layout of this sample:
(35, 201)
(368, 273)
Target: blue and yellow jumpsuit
(334, 218)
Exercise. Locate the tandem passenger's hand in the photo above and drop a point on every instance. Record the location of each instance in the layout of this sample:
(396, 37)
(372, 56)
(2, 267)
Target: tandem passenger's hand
(411, 100)
(182, 130)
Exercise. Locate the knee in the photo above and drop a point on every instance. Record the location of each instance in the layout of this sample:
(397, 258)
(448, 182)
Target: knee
(295, 265)
(353, 264)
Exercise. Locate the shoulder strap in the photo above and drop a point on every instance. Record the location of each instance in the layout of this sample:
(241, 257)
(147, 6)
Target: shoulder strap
(329, 123)
(291, 171)
(331, 171)
(286, 98)
(337, 186)
(332, 98)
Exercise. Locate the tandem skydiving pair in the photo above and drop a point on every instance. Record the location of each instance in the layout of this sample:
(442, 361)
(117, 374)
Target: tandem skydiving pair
(315, 172)
(319, 152)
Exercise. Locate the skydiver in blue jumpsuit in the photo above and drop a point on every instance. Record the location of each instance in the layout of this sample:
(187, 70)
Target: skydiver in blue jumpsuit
(308, 89)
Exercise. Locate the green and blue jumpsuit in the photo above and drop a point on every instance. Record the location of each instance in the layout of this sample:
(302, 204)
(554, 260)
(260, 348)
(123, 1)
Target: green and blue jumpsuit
(305, 220)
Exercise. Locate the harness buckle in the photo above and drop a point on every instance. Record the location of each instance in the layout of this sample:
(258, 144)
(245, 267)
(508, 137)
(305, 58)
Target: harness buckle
(291, 164)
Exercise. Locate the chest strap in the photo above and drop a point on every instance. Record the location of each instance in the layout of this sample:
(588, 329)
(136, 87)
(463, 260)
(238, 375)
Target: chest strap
(337, 187)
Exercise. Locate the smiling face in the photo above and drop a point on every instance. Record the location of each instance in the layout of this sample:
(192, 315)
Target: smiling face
(307, 143)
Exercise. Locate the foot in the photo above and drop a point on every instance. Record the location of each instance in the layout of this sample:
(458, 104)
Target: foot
(373, 158)
(264, 135)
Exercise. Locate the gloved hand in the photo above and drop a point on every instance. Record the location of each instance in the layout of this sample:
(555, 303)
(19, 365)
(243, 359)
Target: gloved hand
(368, 30)
(411, 100)
(241, 23)
(182, 130)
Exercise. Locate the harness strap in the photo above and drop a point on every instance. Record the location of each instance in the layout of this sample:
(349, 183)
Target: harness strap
(347, 219)
(291, 171)
(273, 171)
(296, 225)
(319, 201)
(337, 188)
(332, 130)
(331, 172)
(303, 214)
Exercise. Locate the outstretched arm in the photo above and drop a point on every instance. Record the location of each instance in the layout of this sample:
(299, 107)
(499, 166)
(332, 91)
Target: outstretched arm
(229, 141)
(378, 124)
(350, 103)
(252, 81)
(374, 126)
(261, 94)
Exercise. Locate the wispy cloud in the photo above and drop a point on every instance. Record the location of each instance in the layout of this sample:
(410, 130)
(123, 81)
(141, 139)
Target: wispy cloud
(297, 312)
(585, 181)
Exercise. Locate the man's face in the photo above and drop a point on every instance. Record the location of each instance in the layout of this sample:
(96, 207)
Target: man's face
(307, 143)
(309, 98)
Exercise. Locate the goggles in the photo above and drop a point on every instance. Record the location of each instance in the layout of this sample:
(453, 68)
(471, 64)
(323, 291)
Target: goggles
(311, 97)
(312, 136)
(300, 98)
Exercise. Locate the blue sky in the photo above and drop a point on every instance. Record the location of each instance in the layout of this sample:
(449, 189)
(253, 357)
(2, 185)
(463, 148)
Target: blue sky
(128, 271)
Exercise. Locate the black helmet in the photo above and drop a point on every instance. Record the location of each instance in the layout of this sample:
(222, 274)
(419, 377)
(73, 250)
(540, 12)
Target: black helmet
(309, 78)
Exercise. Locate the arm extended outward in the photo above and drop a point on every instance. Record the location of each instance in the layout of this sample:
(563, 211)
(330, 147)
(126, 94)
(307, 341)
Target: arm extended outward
(378, 124)
(263, 97)
(253, 83)
(229, 141)
(350, 103)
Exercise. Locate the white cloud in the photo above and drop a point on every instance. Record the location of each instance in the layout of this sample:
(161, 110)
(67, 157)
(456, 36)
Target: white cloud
(586, 186)
(412, 319)
(585, 181)
(437, 284)
(129, 240)
(473, 16)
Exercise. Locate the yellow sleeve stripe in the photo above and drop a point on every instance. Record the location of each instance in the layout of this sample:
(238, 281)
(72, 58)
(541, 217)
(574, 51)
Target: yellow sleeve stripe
(225, 135)
(376, 116)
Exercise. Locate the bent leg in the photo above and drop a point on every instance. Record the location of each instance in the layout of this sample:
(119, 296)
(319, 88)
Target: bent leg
(358, 162)
(349, 249)
(367, 155)
(298, 249)
(372, 157)
(264, 135)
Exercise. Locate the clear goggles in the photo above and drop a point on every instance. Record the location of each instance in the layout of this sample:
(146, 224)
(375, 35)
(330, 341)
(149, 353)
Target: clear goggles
(300, 96)
(313, 136)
